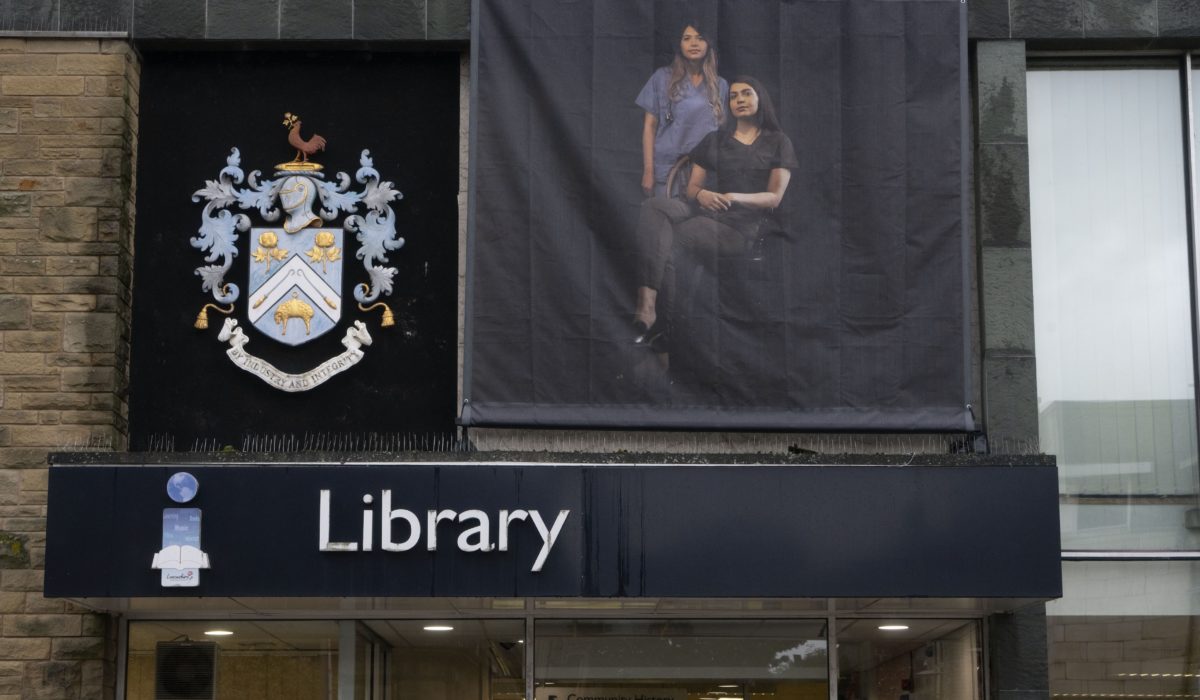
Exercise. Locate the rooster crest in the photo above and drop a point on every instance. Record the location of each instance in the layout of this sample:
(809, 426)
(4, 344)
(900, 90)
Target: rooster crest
(304, 147)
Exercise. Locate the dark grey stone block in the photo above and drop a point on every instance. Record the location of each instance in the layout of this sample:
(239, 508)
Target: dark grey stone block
(1046, 18)
(1120, 18)
(243, 19)
(1010, 409)
(93, 16)
(315, 19)
(987, 19)
(1001, 90)
(1178, 18)
(1018, 659)
(389, 19)
(449, 20)
(168, 19)
(1003, 179)
(1006, 278)
(34, 15)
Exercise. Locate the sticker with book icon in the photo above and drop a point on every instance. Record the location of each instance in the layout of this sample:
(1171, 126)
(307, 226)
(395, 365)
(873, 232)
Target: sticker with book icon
(181, 558)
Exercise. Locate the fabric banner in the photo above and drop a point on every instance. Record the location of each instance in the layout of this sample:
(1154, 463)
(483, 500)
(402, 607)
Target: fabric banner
(803, 269)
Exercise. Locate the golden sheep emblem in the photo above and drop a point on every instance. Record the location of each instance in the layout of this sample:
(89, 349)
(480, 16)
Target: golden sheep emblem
(294, 308)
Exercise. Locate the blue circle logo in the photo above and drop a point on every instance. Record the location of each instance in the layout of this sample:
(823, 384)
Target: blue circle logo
(182, 487)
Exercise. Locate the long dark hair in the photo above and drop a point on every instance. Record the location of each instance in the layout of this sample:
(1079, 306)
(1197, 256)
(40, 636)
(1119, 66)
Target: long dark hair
(765, 118)
(708, 69)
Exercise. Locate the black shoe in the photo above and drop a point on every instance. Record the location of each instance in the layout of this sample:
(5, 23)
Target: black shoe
(648, 337)
(661, 343)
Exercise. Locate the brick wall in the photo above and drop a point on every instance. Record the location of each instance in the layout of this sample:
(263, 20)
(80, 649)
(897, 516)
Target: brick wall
(68, 135)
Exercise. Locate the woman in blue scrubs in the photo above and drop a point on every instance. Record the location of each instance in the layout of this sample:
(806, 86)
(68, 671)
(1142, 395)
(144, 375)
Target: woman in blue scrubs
(684, 101)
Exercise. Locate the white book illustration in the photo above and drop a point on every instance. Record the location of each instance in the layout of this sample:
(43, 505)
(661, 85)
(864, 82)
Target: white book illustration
(180, 557)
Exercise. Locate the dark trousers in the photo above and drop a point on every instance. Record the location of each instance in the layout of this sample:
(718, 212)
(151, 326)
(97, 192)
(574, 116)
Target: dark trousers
(670, 233)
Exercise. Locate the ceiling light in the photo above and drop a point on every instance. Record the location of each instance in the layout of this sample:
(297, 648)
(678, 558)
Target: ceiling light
(218, 633)
(893, 628)
(437, 628)
(730, 685)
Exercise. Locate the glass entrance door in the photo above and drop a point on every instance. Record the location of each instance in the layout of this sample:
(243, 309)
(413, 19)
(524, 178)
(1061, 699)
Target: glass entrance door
(909, 660)
(681, 660)
(454, 659)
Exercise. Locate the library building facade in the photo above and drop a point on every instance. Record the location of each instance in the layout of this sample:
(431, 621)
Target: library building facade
(599, 349)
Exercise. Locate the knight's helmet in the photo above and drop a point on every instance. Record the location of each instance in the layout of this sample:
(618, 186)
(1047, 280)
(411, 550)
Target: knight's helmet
(296, 196)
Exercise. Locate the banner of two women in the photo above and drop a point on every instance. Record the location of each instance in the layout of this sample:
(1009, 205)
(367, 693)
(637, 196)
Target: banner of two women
(717, 214)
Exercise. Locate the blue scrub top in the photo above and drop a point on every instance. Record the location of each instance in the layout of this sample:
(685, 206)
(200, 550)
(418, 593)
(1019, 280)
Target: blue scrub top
(682, 124)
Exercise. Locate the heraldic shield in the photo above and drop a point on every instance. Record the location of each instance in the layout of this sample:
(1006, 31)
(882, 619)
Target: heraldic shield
(295, 251)
(295, 283)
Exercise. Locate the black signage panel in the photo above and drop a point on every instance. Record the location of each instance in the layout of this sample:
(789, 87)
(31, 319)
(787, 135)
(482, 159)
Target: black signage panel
(553, 530)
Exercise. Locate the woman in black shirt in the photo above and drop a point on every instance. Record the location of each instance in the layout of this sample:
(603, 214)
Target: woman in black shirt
(739, 175)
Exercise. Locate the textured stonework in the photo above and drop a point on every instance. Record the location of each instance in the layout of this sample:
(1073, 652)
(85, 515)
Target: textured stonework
(1017, 655)
(68, 137)
(1005, 272)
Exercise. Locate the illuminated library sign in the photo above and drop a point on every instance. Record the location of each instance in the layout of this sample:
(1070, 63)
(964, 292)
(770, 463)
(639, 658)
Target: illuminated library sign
(474, 528)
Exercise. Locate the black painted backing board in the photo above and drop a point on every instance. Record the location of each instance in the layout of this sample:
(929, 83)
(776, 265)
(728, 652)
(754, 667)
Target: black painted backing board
(195, 107)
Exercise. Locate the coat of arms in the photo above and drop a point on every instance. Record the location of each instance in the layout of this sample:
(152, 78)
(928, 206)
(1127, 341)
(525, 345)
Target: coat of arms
(295, 277)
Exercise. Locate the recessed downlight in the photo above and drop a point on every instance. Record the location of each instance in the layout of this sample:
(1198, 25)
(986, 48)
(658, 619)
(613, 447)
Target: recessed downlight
(218, 633)
(893, 628)
(437, 628)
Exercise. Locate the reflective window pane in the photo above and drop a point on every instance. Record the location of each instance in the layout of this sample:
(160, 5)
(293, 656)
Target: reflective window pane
(268, 660)
(1126, 629)
(322, 659)
(1111, 304)
(1124, 656)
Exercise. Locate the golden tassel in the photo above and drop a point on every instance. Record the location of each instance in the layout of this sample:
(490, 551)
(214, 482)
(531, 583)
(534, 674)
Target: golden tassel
(202, 317)
(389, 319)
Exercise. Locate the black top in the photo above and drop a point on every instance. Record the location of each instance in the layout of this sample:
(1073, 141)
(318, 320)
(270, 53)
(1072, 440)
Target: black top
(733, 166)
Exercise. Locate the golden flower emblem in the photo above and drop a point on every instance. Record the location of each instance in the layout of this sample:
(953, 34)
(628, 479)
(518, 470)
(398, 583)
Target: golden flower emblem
(324, 251)
(268, 249)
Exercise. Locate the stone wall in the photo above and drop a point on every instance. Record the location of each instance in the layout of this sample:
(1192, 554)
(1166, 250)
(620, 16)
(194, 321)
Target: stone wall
(1005, 268)
(68, 135)
(1083, 19)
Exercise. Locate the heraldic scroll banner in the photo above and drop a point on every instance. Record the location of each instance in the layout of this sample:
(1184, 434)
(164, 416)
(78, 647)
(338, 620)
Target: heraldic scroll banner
(295, 277)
